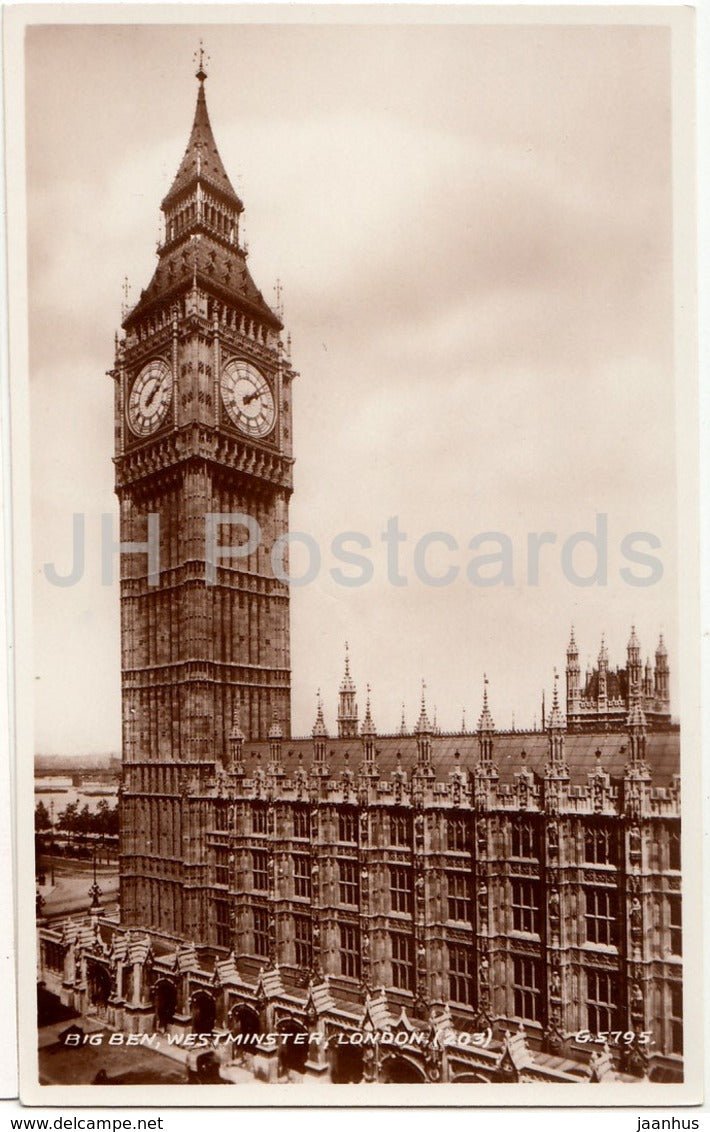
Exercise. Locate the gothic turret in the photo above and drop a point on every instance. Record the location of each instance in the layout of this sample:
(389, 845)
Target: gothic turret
(573, 675)
(556, 730)
(603, 669)
(637, 734)
(275, 739)
(320, 735)
(486, 730)
(662, 675)
(423, 732)
(347, 704)
(634, 672)
(369, 735)
(648, 680)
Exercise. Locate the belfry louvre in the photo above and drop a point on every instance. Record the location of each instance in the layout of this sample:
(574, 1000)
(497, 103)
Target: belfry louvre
(482, 906)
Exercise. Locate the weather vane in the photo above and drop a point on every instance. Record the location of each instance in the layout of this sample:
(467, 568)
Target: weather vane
(202, 60)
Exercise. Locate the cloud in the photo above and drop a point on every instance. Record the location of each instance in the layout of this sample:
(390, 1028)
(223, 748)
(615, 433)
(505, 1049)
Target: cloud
(477, 269)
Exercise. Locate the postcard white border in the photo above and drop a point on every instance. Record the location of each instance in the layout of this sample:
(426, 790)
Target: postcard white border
(681, 21)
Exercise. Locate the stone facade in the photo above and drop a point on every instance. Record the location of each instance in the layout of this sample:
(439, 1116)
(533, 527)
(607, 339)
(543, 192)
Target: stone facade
(525, 899)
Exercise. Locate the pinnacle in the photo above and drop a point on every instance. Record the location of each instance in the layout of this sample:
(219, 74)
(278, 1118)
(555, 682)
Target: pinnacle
(403, 723)
(236, 732)
(423, 724)
(556, 720)
(636, 718)
(368, 726)
(485, 723)
(319, 729)
(347, 684)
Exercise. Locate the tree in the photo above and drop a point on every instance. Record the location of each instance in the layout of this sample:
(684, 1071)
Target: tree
(84, 820)
(68, 818)
(102, 817)
(42, 821)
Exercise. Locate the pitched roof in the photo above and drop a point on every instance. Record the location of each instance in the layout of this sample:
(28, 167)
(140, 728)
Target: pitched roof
(662, 754)
(211, 264)
(201, 159)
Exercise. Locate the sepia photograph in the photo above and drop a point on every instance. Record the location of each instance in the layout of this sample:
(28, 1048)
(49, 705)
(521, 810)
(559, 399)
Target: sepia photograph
(359, 737)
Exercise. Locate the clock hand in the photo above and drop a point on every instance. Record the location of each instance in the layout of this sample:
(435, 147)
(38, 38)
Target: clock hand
(152, 394)
(251, 397)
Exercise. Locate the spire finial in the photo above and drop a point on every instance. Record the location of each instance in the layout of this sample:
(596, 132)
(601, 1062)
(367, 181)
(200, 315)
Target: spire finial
(202, 60)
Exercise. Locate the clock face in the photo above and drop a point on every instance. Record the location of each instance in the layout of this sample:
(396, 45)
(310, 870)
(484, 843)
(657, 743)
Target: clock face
(248, 398)
(150, 397)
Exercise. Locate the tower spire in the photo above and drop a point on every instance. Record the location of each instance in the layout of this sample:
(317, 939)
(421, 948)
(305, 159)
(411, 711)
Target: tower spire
(347, 704)
(201, 160)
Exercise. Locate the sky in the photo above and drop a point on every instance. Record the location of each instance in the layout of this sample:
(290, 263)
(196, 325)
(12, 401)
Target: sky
(472, 227)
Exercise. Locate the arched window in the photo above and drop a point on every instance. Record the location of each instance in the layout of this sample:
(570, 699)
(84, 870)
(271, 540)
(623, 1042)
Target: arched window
(600, 845)
(524, 841)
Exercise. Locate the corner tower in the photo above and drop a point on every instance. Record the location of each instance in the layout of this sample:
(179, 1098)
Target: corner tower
(202, 428)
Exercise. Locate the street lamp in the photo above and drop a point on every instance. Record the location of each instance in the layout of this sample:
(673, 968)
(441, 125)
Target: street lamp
(51, 840)
(95, 891)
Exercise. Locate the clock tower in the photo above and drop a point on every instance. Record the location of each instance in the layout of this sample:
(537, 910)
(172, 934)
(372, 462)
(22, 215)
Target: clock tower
(203, 477)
